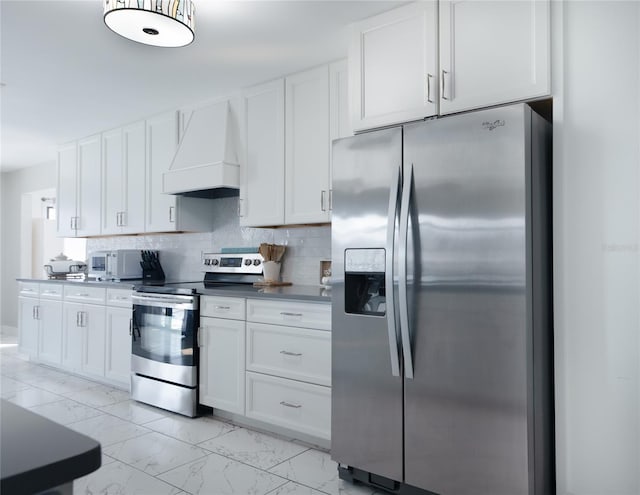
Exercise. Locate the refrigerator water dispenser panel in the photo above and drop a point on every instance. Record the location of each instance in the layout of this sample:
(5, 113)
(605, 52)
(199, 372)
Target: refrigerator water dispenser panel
(364, 282)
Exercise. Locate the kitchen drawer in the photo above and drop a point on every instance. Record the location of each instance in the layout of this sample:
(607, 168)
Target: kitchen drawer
(28, 289)
(78, 293)
(231, 308)
(51, 291)
(297, 353)
(119, 297)
(291, 404)
(290, 313)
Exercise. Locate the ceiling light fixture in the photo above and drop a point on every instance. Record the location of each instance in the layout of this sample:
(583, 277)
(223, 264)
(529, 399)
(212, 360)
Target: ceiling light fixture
(168, 23)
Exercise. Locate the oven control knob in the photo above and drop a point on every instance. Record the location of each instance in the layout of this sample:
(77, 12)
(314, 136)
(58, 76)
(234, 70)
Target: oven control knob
(247, 262)
(256, 262)
(207, 262)
(214, 262)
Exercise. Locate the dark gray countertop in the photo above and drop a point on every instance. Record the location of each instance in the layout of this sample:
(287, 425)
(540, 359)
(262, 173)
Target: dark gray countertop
(314, 293)
(37, 454)
(125, 284)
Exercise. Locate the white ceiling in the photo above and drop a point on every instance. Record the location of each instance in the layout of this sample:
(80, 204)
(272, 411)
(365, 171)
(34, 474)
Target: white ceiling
(65, 75)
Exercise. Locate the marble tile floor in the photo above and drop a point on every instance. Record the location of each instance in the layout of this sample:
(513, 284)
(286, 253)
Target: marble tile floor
(149, 451)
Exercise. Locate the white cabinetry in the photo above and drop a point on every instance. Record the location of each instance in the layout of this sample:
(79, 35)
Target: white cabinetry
(67, 189)
(166, 212)
(50, 324)
(289, 366)
(262, 170)
(162, 140)
(222, 353)
(40, 322)
(118, 336)
(493, 52)
(394, 67)
(430, 58)
(79, 188)
(123, 160)
(28, 321)
(83, 343)
(307, 147)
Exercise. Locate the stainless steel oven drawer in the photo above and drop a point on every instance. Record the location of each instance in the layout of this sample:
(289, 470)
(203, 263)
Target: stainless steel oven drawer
(182, 400)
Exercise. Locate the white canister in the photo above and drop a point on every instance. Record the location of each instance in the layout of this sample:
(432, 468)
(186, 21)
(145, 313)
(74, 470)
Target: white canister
(271, 271)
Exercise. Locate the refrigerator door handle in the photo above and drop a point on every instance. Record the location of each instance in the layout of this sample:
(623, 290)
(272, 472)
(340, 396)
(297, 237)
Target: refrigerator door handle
(389, 273)
(402, 273)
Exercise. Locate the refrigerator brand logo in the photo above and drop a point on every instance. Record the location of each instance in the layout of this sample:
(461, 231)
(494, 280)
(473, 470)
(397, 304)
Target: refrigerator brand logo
(492, 125)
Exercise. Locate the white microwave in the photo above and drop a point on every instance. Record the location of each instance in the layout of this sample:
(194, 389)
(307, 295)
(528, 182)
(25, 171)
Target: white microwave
(119, 264)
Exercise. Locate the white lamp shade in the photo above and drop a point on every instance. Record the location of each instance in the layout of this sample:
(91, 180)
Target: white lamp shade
(168, 23)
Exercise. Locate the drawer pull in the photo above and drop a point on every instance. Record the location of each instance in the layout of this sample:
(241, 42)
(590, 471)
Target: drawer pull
(121, 298)
(82, 295)
(49, 292)
(289, 404)
(224, 308)
(288, 353)
(285, 313)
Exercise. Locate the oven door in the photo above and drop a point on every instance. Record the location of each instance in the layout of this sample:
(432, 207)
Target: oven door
(165, 328)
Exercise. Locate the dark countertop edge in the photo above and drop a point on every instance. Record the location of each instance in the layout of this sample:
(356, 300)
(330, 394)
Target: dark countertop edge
(53, 475)
(30, 467)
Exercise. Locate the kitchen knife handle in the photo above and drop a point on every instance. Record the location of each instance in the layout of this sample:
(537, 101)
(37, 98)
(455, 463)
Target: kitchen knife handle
(402, 273)
(392, 322)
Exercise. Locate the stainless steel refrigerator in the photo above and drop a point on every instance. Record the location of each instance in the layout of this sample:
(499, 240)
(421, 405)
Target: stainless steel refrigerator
(442, 306)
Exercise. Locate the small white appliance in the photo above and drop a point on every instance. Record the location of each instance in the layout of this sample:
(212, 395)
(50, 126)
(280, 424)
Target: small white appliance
(118, 264)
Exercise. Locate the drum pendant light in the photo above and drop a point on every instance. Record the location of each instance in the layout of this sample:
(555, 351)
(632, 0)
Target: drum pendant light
(169, 23)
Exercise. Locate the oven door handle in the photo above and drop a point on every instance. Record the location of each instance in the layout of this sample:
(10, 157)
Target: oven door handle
(165, 301)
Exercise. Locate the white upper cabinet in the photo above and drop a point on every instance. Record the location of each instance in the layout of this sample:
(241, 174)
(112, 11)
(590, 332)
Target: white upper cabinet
(123, 159)
(162, 140)
(79, 188)
(262, 170)
(307, 147)
(67, 189)
(493, 52)
(89, 186)
(394, 67)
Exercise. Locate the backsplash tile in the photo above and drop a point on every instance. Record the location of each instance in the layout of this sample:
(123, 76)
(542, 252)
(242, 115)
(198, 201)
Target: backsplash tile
(180, 254)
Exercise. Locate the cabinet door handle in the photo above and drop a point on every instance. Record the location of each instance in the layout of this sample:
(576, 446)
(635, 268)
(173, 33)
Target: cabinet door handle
(77, 318)
(429, 99)
(37, 312)
(83, 318)
(240, 207)
(289, 353)
(171, 214)
(130, 326)
(330, 199)
(285, 313)
(444, 85)
(322, 194)
(123, 219)
(33, 313)
(289, 404)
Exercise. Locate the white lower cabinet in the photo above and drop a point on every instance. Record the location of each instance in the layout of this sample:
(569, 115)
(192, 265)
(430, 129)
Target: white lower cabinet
(78, 328)
(83, 342)
(222, 364)
(291, 404)
(117, 365)
(258, 361)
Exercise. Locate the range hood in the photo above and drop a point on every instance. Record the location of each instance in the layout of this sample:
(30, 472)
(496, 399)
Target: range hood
(206, 161)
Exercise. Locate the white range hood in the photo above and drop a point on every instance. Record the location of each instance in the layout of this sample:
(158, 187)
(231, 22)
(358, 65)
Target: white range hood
(206, 161)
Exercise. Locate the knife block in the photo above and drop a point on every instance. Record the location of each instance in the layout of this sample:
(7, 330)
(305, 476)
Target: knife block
(151, 268)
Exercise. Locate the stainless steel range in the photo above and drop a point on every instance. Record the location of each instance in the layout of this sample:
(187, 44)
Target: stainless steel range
(164, 347)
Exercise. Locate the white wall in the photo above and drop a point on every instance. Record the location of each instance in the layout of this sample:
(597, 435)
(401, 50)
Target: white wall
(597, 269)
(14, 185)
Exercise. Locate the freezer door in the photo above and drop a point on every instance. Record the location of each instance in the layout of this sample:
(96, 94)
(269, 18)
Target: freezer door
(366, 430)
(466, 430)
